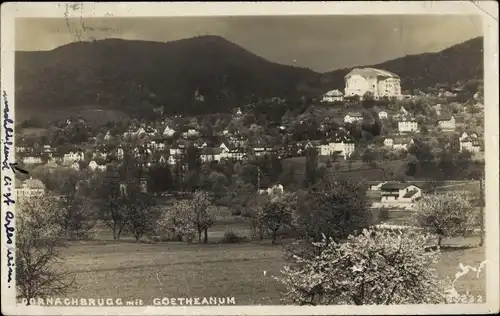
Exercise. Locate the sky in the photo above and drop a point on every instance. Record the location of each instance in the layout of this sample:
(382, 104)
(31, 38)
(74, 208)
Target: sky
(321, 43)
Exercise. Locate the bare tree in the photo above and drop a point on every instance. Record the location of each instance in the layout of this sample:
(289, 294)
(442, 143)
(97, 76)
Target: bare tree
(38, 243)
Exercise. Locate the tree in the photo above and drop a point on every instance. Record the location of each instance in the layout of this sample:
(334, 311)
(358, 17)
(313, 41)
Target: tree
(376, 267)
(38, 242)
(336, 209)
(137, 205)
(203, 214)
(176, 220)
(278, 212)
(78, 214)
(446, 215)
(112, 212)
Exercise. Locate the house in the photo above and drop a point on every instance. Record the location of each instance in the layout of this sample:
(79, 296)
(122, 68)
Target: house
(407, 125)
(210, 154)
(73, 157)
(447, 122)
(177, 150)
(169, 132)
(190, 133)
(382, 115)
(75, 165)
(340, 145)
(94, 166)
(438, 109)
(235, 153)
(108, 136)
(375, 185)
(119, 153)
(223, 147)
(352, 117)
(31, 160)
(30, 188)
(277, 188)
(380, 83)
(398, 143)
(399, 192)
(333, 96)
(470, 142)
(472, 135)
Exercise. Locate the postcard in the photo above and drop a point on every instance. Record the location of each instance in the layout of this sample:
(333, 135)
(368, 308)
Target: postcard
(253, 158)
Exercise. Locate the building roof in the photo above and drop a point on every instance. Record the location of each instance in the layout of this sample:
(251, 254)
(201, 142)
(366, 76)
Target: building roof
(33, 184)
(445, 117)
(402, 140)
(396, 185)
(211, 151)
(334, 93)
(372, 72)
(409, 194)
(355, 114)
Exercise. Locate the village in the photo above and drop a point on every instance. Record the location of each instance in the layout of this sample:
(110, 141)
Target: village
(166, 141)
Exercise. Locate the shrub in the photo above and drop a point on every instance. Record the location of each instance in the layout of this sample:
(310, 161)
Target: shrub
(377, 266)
(230, 237)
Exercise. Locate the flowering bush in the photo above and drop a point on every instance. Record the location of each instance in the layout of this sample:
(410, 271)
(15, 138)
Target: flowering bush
(38, 240)
(376, 267)
(177, 219)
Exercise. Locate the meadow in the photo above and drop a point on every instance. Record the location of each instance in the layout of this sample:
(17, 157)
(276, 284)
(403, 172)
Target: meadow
(245, 271)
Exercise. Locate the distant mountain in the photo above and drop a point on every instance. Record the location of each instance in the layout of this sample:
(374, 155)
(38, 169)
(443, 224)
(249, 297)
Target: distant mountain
(460, 62)
(136, 76)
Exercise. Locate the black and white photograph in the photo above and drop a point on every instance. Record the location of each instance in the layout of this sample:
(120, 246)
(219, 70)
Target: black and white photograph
(209, 159)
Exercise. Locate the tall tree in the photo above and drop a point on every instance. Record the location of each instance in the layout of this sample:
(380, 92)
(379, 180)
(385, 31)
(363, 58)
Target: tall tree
(335, 209)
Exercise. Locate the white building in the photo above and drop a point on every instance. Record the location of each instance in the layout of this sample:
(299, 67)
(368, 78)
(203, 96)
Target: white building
(190, 133)
(333, 96)
(382, 115)
(398, 143)
(379, 83)
(211, 154)
(108, 136)
(343, 146)
(94, 166)
(73, 157)
(275, 189)
(31, 160)
(447, 122)
(30, 188)
(352, 117)
(168, 131)
(470, 142)
(397, 192)
(406, 126)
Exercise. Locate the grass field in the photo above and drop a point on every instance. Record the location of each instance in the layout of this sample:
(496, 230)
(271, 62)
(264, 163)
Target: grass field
(173, 269)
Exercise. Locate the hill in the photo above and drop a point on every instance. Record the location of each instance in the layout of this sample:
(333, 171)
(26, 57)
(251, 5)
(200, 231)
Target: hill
(133, 77)
(460, 62)
(136, 76)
